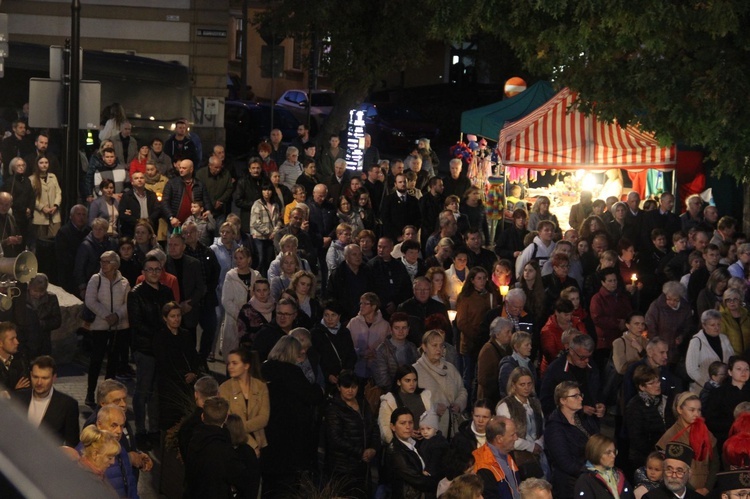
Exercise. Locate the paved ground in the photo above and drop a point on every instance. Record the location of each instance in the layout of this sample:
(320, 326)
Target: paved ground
(72, 379)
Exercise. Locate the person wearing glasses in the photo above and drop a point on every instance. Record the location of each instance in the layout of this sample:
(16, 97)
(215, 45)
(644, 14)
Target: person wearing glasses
(690, 429)
(145, 304)
(677, 474)
(734, 484)
(574, 366)
(646, 416)
(707, 346)
(106, 296)
(735, 319)
(601, 478)
(568, 430)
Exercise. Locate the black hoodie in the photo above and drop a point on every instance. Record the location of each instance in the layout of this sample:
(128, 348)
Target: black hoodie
(211, 465)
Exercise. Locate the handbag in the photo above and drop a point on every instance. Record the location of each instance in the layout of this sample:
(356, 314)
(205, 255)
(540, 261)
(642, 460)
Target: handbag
(456, 420)
(372, 393)
(528, 464)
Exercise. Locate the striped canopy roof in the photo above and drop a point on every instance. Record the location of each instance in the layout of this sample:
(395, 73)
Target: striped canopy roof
(554, 137)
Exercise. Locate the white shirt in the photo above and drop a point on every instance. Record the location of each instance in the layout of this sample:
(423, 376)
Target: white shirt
(38, 408)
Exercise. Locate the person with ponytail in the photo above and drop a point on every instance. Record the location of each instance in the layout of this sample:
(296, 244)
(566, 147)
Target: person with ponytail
(690, 429)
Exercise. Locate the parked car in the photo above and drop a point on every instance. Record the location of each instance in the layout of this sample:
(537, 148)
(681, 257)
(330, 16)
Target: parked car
(320, 103)
(247, 123)
(395, 128)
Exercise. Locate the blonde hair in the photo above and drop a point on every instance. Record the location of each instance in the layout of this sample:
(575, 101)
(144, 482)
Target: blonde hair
(96, 441)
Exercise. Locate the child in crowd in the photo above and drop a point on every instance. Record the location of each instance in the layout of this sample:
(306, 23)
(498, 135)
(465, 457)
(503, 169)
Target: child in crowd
(411, 184)
(42, 317)
(433, 445)
(649, 477)
(695, 261)
(206, 226)
(717, 372)
(335, 255)
(129, 266)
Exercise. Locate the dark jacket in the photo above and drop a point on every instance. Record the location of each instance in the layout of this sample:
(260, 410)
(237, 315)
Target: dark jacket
(405, 470)
(719, 410)
(19, 368)
(211, 271)
(340, 290)
(671, 385)
(336, 350)
(175, 358)
(144, 314)
(211, 465)
(397, 214)
(591, 485)
(292, 441)
(61, 416)
(24, 197)
(430, 208)
(565, 445)
(348, 433)
(457, 186)
(264, 340)
(192, 286)
(418, 312)
(67, 242)
(172, 196)
(645, 427)
(392, 282)
(87, 259)
(220, 187)
(560, 370)
(130, 202)
(465, 442)
(246, 194)
(664, 493)
(508, 241)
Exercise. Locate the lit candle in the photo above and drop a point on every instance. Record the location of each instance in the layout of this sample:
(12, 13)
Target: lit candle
(504, 290)
(452, 315)
(634, 279)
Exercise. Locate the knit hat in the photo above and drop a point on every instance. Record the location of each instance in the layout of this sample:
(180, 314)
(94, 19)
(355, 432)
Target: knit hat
(429, 419)
(679, 451)
(734, 480)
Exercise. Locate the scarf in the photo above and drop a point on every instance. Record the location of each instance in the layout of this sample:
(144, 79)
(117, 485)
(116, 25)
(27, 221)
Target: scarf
(700, 439)
(410, 268)
(265, 309)
(154, 179)
(610, 477)
(650, 401)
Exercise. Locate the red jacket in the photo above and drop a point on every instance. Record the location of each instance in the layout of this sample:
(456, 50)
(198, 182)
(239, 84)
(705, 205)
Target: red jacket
(552, 339)
(607, 309)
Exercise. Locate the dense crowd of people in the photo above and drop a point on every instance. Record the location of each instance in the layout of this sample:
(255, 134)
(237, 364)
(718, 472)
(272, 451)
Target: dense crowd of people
(377, 342)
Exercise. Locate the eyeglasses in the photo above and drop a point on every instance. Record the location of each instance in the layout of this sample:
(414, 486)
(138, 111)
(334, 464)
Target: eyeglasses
(106, 261)
(153, 270)
(679, 472)
(582, 357)
(610, 452)
(574, 396)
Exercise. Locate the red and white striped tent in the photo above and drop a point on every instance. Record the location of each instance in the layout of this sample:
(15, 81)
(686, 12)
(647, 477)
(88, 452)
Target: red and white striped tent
(553, 136)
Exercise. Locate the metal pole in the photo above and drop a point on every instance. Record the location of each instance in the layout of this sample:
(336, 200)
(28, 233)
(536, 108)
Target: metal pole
(243, 59)
(72, 170)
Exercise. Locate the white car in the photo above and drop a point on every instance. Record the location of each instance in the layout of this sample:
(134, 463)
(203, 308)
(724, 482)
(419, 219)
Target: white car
(320, 104)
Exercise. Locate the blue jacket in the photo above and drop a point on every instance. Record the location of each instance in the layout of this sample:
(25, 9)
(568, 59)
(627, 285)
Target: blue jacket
(120, 475)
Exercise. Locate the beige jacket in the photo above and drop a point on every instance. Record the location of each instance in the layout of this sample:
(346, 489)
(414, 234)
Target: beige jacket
(254, 411)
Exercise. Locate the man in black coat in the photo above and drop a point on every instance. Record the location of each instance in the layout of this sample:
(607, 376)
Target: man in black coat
(68, 239)
(391, 281)
(509, 241)
(175, 208)
(14, 369)
(131, 209)
(338, 182)
(661, 218)
(46, 406)
(479, 256)
(350, 281)
(419, 307)
(323, 221)
(145, 302)
(212, 467)
(574, 367)
(267, 336)
(211, 271)
(430, 206)
(455, 183)
(399, 210)
(678, 458)
(192, 282)
(248, 190)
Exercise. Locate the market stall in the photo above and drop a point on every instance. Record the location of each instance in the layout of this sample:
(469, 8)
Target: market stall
(557, 137)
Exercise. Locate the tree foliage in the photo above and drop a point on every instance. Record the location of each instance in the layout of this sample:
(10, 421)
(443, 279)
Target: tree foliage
(680, 68)
(368, 38)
